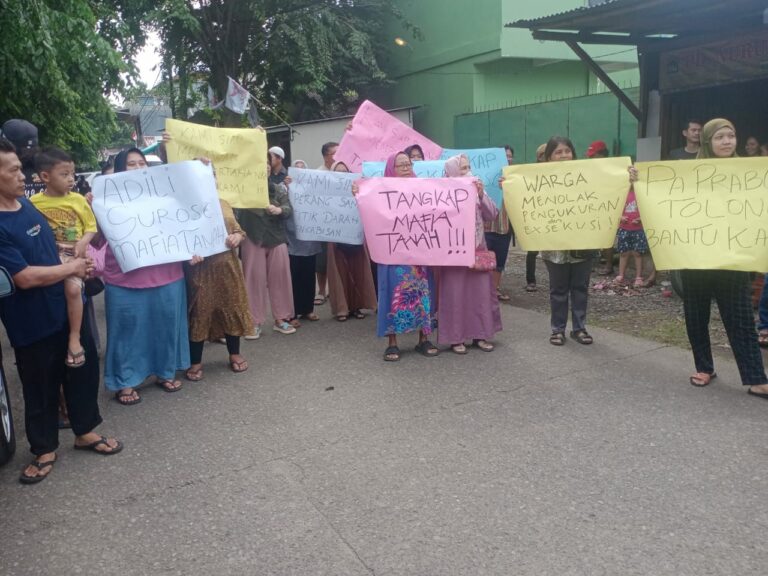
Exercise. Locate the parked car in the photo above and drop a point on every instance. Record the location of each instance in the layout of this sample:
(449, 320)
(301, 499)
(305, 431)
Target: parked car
(7, 433)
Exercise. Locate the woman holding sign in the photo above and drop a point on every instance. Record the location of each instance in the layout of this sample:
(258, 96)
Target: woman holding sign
(468, 303)
(405, 291)
(731, 290)
(569, 270)
(350, 280)
(146, 312)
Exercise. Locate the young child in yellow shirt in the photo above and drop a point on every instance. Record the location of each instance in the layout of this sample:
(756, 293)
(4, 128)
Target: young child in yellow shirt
(74, 226)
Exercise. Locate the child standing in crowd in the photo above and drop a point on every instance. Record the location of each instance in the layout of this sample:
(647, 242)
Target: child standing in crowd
(631, 241)
(74, 226)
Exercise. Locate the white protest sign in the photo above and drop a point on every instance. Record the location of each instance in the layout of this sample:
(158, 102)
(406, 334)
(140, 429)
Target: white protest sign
(323, 206)
(161, 214)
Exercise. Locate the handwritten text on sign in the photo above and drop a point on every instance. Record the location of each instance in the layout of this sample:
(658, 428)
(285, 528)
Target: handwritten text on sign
(161, 214)
(421, 169)
(428, 221)
(239, 156)
(486, 164)
(323, 206)
(706, 214)
(376, 134)
(573, 205)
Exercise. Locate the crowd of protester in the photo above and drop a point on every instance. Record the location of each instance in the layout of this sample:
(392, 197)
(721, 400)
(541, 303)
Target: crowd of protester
(50, 245)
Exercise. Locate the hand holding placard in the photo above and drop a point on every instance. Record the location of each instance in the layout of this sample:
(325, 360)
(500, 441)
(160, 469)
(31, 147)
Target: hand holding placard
(706, 214)
(574, 205)
(419, 221)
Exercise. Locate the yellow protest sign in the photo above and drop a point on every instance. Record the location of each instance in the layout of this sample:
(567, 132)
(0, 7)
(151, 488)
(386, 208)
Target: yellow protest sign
(706, 214)
(239, 157)
(573, 205)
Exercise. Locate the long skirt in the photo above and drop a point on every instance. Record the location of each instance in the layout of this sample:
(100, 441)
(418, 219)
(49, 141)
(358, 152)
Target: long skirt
(218, 303)
(146, 334)
(468, 304)
(406, 302)
(303, 284)
(350, 282)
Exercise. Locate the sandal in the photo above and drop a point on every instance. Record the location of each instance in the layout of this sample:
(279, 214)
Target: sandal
(582, 337)
(127, 398)
(392, 354)
(194, 374)
(26, 479)
(358, 314)
(75, 359)
(531, 287)
(295, 323)
(320, 299)
(762, 338)
(484, 345)
(170, 386)
(503, 297)
(639, 282)
(458, 349)
(342, 318)
(557, 339)
(312, 317)
(238, 367)
(94, 446)
(701, 379)
(426, 348)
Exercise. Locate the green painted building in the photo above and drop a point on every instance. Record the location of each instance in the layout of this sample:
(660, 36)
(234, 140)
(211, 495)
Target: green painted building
(467, 67)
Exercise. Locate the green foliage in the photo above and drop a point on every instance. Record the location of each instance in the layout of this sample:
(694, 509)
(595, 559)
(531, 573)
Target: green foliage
(59, 61)
(303, 58)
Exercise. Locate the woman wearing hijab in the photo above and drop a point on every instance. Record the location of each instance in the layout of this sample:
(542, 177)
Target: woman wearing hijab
(415, 153)
(469, 306)
(350, 281)
(218, 302)
(146, 310)
(731, 290)
(405, 291)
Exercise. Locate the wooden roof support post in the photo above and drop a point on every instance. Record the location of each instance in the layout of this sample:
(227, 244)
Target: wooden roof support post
(603, 76)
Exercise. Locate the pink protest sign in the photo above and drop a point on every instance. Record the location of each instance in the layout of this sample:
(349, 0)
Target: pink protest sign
(375, 135)
(428, 221)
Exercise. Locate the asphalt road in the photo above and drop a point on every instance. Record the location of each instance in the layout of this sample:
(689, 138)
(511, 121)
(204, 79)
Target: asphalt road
(324, 460)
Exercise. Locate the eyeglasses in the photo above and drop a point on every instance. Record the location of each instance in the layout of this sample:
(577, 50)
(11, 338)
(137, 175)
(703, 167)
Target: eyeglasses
(403, 165)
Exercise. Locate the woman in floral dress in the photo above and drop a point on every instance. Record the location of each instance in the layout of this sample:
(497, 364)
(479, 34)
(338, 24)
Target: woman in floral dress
(405, 292)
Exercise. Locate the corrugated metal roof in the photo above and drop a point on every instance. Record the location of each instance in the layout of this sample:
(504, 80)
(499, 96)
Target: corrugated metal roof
(643, 18)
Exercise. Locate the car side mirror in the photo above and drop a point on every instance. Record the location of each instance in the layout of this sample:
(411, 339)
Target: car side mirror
(6, 283)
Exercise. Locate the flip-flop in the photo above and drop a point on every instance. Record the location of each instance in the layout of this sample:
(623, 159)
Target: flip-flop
(194, 375)
(342, 318)
(320, 300)
(503, 297)
(75, 359)
(459, 349)
(93, 446)
(557, 339)
(169, 385)
(312, 317)
(392, 354)
(238, 367)
(120, 394)
(701, 379)
(357, 314)
(427, 349)
(483, 345)
(582, 337)
(762, 338)
(758, 394)
(24, 479)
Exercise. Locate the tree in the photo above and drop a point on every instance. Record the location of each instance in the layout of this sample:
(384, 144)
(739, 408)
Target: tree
(59, 62)
(303, 58)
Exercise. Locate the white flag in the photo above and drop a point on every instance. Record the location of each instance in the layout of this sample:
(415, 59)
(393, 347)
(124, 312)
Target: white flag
(237, 97)
(213, 103)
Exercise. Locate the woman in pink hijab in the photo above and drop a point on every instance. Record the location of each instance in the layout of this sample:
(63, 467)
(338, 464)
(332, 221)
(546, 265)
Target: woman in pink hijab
(405, 291)
(468, 302)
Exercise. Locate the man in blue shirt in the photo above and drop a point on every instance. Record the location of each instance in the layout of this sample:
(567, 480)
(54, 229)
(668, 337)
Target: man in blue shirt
(35, 318)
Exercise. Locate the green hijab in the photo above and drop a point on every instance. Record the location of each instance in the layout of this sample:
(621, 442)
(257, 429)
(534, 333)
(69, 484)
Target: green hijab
(709, 129)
